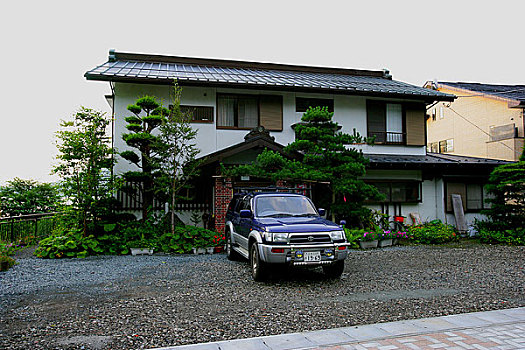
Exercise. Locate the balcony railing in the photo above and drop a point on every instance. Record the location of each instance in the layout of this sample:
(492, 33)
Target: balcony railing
(388, 137)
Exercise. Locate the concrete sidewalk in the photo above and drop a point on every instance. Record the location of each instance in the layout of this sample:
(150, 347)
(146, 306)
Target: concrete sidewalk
(501, 329)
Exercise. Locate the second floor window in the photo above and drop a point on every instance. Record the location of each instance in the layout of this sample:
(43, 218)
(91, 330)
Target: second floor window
(385, 122)
(250, 111)
(236, 111)
(303, 103)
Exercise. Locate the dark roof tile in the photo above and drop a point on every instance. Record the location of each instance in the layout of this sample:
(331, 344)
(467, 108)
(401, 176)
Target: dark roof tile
(137, 67)
(514, 92)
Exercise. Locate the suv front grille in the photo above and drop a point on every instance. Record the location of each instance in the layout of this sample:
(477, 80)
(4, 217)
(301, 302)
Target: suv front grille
(309, 238)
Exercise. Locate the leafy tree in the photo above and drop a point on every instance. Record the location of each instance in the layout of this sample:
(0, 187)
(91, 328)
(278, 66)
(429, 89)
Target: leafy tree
(507, 187)
(177, 151)
(148, 115)
(325, 156)
(21, 197)
(85, 163)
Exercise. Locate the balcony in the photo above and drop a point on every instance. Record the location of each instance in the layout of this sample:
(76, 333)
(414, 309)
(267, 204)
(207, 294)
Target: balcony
(388, 137)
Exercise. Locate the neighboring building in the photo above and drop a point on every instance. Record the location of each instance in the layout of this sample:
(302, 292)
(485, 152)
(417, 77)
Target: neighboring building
(484, 121)
(230, 98)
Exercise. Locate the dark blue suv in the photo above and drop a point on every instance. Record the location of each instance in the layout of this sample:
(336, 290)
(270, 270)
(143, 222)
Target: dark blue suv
(276, 228)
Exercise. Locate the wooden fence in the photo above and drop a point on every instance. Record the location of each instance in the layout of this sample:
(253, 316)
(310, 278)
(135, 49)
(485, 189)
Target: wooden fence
(22, 227)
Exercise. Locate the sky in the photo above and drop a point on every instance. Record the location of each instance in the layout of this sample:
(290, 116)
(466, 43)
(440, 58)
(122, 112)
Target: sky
(47, 46)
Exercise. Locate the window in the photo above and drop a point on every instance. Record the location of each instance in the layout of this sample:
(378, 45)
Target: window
(198, 114)
(434, 115)
(236, 111)
(303, 103)
(442, 146)
(441, 113)
(399, 191)
(450, 145)
(446, 146)
(250, 111)
(385, 122)
(472, 196)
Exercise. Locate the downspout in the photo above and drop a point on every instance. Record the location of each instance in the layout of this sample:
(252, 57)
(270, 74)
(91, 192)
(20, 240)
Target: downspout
(112, 86)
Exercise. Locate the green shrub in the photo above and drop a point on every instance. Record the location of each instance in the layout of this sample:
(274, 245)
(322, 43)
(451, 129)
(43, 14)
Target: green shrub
(69, 244)
(496, 233)
(434, 232)
(186, 238)
(113, 244)
(6, 262)
(353, 236)
(8, 248)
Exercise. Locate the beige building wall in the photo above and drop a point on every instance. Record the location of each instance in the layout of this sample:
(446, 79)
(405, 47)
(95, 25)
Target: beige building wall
(454, 121)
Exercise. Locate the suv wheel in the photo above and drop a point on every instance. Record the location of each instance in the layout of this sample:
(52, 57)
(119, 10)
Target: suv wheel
(230, 253)
(334, 270)
(259, 268)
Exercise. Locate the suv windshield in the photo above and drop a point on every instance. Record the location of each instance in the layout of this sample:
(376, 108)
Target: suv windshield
(275, 206)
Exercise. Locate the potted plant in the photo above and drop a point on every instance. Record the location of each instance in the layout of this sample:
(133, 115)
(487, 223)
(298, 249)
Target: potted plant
(141, 247)
(385, 239)
(219, 241)
(397, 236)
(369, 240)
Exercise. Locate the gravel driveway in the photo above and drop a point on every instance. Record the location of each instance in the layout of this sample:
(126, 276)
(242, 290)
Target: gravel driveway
(126, 302)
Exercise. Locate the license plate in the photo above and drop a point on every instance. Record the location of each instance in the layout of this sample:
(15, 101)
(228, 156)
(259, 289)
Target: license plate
(312, 256)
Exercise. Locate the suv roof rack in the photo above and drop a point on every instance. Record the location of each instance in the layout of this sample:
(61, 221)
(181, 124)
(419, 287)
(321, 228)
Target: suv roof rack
(270, 189)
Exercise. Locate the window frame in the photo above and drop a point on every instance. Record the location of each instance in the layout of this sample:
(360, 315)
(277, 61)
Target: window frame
(484, 197)
(198, 121)
(390, 182)
(330, 105)
(383, 104)
(257, 99)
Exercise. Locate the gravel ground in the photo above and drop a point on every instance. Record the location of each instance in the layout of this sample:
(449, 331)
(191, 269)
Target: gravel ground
(125, 302)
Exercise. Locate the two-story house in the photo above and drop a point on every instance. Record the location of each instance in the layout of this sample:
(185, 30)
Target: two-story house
(484, 121)
(231, 98)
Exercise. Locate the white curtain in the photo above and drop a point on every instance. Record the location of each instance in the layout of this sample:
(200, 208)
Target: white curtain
(394, 122)
(248, 113)
(225, 112)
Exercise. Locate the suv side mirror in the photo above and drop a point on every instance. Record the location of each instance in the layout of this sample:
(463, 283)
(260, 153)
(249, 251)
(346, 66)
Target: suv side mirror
(246, 213)
(342, 223)
(321, 211)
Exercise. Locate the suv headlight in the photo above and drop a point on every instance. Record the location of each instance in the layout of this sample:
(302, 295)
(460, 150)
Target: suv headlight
(278, 237)
(337, 235)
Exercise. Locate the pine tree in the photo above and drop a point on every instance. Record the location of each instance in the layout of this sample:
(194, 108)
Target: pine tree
(507, 187)
(325, 155)
(148, 116)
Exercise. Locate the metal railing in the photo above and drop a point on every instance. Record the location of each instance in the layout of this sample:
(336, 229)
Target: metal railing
(388, 137)
(15, 228)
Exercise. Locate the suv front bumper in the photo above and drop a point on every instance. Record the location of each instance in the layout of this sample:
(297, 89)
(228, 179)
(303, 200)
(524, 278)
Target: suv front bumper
(329, 253)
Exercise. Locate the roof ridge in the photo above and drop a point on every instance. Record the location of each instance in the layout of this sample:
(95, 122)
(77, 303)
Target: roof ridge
(115, 56)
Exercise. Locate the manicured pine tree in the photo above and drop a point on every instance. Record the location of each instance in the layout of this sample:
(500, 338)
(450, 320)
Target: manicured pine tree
(148, 115)
(325, 155)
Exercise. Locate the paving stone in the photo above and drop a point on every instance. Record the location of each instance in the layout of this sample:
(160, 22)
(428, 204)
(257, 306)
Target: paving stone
(466, 320)
(244, 344)
(330, 336)
(363, 333)
(401, 327)
(287, 341)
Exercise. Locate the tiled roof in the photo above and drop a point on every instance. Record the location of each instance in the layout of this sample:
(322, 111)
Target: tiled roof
(514, 92)
(432, 159)
(163, 69)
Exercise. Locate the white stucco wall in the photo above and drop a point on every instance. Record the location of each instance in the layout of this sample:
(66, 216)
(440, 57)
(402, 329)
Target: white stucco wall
(432, 204)
(349, 112)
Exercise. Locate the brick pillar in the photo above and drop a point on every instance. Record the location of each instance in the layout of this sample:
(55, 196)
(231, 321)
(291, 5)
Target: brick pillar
(280, 183)
(223, 196)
